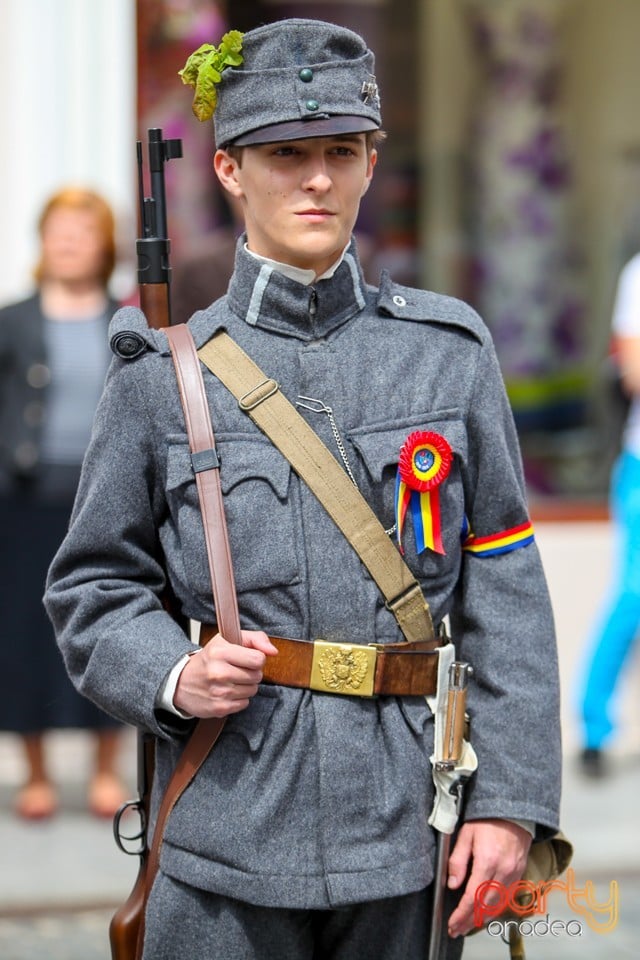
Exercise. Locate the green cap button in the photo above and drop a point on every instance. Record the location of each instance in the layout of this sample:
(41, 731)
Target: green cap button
(312, 105)
(306, 75)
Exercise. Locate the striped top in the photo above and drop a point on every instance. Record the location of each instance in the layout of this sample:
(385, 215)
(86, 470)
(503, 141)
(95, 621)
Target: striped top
(78, 356)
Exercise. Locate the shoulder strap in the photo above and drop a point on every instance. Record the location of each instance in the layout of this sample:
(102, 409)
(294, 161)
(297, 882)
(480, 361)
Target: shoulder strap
(205, 464)
(261, 399)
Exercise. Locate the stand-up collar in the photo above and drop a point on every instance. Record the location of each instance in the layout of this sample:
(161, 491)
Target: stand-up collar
(266, 298)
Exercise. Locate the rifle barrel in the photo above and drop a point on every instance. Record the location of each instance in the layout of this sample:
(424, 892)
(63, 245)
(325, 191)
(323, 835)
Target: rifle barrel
(153, 246)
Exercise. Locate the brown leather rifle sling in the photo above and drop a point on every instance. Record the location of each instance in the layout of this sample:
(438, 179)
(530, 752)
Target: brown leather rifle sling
(261, 399)
(205, 464)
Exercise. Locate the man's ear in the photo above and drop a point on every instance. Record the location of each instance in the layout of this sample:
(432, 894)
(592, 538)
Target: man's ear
(373, 159)
(226, 169)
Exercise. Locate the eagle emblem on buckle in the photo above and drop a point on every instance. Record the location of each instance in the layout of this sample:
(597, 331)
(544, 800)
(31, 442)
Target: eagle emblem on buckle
(343, 668)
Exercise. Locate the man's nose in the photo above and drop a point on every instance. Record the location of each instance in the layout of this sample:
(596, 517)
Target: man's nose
(316, 177)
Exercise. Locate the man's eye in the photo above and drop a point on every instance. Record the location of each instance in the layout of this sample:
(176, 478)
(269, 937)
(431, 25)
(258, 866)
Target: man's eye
(285, 151)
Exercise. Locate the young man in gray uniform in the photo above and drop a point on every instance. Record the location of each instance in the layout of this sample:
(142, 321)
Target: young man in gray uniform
(305, 834)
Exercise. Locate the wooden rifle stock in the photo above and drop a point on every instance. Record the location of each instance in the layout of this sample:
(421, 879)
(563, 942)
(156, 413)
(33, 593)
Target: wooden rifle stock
(124, 929)
(154, 274)
(154, 301)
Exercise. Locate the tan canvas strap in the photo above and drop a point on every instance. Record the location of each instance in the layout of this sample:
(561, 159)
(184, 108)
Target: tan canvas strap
(205, 465)
(260, 397)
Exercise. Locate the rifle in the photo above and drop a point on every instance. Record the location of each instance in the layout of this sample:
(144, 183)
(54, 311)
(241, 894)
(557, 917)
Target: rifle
(154, 274)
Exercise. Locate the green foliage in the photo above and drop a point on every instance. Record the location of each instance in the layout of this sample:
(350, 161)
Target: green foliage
(203, 70)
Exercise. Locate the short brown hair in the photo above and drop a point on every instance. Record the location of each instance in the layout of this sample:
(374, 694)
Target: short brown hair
(79, 198)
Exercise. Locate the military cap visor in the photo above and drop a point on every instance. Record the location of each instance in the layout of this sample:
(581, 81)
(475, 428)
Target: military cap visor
(302, 129)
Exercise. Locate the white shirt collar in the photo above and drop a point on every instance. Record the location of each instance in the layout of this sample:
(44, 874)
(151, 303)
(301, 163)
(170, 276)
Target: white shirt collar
(307, 277)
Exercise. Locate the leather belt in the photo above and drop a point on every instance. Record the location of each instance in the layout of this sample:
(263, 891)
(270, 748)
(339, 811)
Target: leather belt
(352, 669)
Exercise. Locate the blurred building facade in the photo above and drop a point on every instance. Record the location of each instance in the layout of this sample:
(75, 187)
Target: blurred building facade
(67, 114)
(530, 143)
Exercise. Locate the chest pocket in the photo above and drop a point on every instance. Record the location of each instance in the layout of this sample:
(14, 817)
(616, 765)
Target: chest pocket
(262, 513)
(256, 486)
(378, 446)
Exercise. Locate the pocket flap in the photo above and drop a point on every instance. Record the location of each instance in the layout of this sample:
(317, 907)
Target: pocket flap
(251, 459)
(240, 460)
(379, 446)
(179, 469)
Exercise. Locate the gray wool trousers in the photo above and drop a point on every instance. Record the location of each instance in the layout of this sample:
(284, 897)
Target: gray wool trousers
(184, 923)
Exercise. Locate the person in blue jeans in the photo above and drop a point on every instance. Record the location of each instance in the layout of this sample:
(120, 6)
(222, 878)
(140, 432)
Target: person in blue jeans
(619, 621)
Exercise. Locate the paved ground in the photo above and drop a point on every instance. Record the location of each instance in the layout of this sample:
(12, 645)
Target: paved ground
(60, 881)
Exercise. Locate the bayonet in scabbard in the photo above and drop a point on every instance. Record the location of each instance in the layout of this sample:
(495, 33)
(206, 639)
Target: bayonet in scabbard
(449, 755)
(451, 749)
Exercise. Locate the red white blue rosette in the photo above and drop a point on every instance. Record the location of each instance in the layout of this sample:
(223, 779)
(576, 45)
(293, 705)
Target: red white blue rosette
(424, 462)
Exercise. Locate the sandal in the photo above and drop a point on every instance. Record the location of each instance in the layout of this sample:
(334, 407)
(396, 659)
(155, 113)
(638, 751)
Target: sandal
(37, 800)
(106, 795)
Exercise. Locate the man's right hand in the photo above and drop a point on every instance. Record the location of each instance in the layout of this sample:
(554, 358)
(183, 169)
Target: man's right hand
(221, 678)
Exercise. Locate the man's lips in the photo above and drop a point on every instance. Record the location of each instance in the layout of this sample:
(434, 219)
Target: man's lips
(315, 213)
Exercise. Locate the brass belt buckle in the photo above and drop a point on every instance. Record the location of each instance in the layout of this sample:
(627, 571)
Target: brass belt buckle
(347, 668)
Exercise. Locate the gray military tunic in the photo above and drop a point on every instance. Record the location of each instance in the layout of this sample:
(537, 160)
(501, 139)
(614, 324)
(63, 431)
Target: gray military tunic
(312, 800)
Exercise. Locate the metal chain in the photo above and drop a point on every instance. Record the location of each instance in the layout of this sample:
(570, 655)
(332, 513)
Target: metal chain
(318, 406)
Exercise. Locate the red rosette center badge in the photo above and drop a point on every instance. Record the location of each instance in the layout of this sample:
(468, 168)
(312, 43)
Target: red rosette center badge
(424, 462)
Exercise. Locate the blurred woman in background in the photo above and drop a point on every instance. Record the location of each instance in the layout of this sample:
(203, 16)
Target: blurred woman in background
(53, 358)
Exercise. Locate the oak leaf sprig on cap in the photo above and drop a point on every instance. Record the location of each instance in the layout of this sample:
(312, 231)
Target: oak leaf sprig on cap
(203, 70)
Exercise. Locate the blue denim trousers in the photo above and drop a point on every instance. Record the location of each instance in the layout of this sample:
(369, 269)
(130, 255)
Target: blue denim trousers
(620, 619)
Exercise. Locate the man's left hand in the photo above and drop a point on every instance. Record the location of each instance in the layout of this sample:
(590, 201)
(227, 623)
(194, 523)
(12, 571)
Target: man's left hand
(484, 850)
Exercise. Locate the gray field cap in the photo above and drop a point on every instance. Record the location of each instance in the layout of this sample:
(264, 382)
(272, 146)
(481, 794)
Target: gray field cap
(299, 78)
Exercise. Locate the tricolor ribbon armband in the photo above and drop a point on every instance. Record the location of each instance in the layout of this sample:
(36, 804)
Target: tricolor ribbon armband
(425, 461)
(496, 543)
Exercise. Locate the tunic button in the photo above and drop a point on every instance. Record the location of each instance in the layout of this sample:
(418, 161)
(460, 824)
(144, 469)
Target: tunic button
(306, 75)
(25, 455)
(128, 344)
(312, 105)
(399, 301)
(33, 414)
(38, 376)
